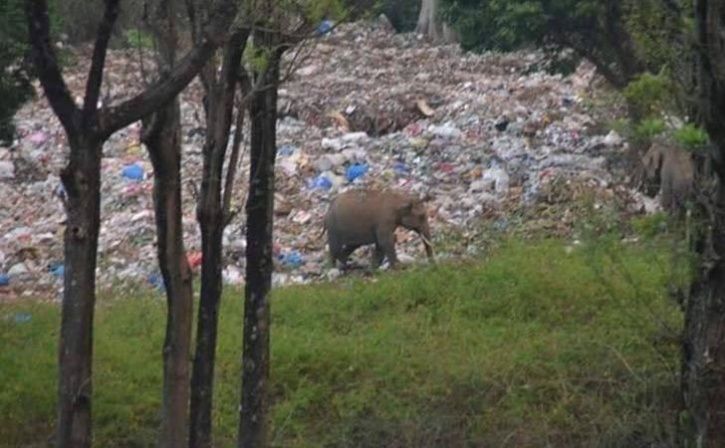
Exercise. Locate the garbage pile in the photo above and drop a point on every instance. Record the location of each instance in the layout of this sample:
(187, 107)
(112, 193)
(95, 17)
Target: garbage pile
(483, 134)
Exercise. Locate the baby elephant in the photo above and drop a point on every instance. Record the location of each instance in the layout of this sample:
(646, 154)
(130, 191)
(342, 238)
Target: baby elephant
(670, 170)
(360, 217)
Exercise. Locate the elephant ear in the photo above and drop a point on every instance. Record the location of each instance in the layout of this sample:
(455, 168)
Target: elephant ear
(652, 161)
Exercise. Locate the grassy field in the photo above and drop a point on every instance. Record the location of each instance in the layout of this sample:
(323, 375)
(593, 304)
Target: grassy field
(538, 345)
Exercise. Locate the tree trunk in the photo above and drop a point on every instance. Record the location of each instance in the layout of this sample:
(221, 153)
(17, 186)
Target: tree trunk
(81, 180)
(162, 136)
(430, 24)
(703, 379)
(164, 144)
(260, 219)
(87, 128)
(212, 217)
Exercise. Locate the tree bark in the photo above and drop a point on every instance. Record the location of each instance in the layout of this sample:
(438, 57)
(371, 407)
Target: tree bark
(253, 423)
(81, 180)
(703, 379)
(212, 217)
(431, 25)
(164, 147)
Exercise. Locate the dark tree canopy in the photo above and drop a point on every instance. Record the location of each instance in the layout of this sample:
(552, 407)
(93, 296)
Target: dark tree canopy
(622, 37)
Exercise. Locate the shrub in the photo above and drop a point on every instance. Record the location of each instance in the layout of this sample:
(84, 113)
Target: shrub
(691, 137)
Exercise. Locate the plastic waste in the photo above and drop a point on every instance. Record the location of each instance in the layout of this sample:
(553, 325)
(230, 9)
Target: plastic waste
(57, 269)
(22, 317)
(7, 170)
(400, 168)
(291, 259)
(324, 27)
(194, 259)
(38, 138)
(157, 281)
(320, 183)
(355, 171)
(4, 280)
(133, 172)
(232, 276)
(286, 150)
(18, 270)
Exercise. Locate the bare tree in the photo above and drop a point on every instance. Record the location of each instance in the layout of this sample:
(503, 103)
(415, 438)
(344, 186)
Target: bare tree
(87, 127)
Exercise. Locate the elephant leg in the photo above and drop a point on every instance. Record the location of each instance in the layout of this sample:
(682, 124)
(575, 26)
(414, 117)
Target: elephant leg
(345, 253)
(386, 242)
(378, 256)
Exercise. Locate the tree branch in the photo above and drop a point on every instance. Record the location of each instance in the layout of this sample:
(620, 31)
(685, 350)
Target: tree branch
(95, 75)
(162, 91)
(46, 63)
(233, 166)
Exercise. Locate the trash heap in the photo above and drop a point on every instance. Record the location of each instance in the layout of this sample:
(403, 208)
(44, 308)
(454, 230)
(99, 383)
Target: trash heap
(484, 134)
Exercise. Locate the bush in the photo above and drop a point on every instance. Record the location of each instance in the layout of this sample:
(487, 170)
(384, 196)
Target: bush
(649, 128)
(649, 95)
(691, 137)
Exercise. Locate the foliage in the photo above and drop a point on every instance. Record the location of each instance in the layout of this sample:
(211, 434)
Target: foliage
(649, 95)
(648, 128)
(15, 74)
(622, 37)
(136, 38)
(691, 136)
(78, 19)
(541, 344)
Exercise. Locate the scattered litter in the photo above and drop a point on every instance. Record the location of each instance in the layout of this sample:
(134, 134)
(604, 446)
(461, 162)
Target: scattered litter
(321, 182)
(324, 27)
(194, 258)
(7, 170)
(292, 259)
(156, 281)
(483, 134)
(355, 171)
(133, 172)
(22, 317)
(57, 269)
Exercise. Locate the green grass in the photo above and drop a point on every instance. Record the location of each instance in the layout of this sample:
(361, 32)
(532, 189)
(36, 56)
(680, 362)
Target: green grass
(538, 345)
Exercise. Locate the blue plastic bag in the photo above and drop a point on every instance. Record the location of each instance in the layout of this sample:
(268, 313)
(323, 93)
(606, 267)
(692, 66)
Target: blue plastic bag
(355, 171)
(286, 150)
(400, 168)
(324, 27)
(4, 280)
(133, 172)
(292, 259)
(320, 183)
(57, 270)
(157, 281)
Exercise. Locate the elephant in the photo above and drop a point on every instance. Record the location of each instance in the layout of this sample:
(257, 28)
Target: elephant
(360, 217)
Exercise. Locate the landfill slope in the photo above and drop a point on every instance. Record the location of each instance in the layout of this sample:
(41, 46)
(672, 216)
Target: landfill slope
(362, 106)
